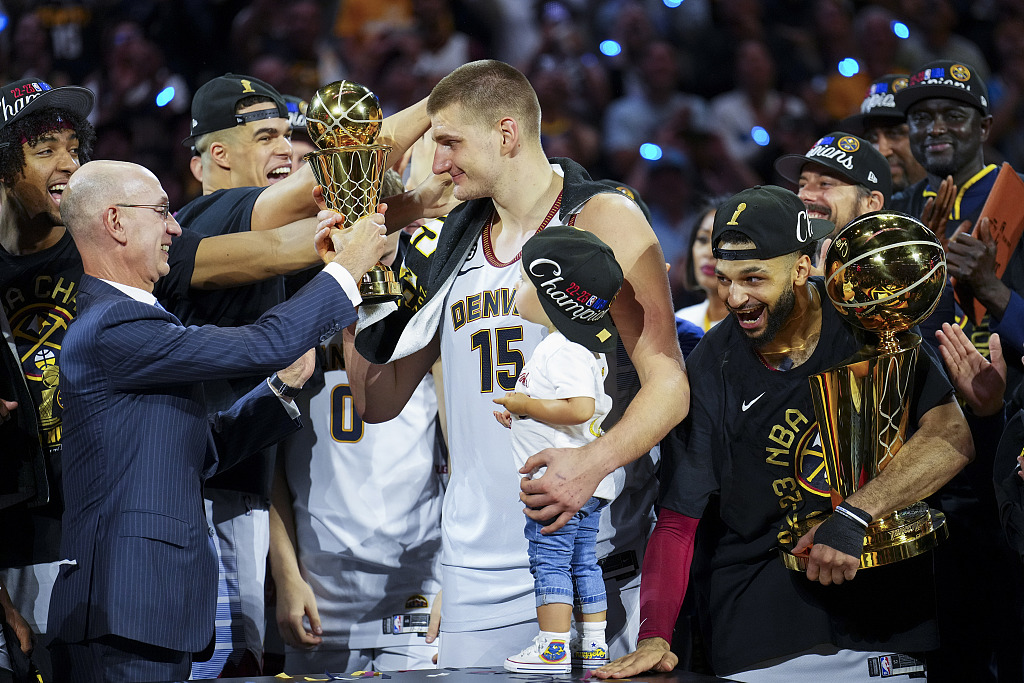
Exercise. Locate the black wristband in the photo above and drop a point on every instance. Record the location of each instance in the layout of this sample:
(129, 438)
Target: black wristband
(842, 533)
(285, 390)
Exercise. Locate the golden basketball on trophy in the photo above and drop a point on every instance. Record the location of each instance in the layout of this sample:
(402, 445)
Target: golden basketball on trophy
(884, 273)
(344, 119)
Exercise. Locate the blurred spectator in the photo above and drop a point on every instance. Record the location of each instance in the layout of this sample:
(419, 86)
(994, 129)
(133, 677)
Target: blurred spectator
(635, 119)
(748, 116)
(936, 39)
(32, 57)
(72, 29)
(443, 48)
(844, 88)
(564, 47)
(295, 34)
(713, 52)
(360, 22)
(878, 52)
(669, 186)
(1006, 92)
(697, 272)
(563, 133)
(141, 106)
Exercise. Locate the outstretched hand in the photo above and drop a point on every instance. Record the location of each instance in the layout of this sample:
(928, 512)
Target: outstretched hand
(436, 195)
(652, 654)
(504, 418)
(980, 381)
(513, 402)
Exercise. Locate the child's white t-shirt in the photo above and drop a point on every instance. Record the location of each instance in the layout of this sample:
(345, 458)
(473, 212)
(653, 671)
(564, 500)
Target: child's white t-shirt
(562, 369)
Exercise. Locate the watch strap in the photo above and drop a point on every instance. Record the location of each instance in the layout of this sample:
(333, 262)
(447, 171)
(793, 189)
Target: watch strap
(283, 389)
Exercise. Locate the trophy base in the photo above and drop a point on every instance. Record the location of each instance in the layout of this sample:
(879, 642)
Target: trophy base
(379, 286)
(898, 536)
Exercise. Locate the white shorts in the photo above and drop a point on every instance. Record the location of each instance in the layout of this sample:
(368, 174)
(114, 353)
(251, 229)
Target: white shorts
(30, 588)
(845, 666)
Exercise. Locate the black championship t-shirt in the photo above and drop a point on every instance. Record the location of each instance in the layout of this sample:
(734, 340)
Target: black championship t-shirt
(38, 293)
(220, 213)
(750, 446)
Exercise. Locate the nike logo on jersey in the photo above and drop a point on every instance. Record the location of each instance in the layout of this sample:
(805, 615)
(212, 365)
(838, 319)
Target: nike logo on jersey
(469, 270)
(747, 404)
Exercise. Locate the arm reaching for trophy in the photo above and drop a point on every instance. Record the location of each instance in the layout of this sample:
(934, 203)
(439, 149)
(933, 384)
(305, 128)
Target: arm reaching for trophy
(356, 248)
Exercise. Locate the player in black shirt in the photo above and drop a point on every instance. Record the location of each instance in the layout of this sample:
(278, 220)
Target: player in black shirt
(747, 462)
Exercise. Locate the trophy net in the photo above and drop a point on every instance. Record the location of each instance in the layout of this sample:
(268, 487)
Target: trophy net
(351, 178)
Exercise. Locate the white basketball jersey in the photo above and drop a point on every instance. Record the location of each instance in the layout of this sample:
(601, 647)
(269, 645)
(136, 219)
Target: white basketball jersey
(367, 502)
(484, 347)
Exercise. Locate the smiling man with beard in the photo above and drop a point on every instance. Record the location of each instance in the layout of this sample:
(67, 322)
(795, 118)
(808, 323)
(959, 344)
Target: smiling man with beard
(743, 465)
(841, 177)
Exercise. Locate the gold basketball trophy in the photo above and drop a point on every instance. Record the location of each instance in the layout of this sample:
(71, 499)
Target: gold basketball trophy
(884, 273)
(343, 120)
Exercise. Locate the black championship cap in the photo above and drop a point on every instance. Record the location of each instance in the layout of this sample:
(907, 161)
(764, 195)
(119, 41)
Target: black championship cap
(848, 155)
(213, 107)
(577, 277)
(879, 103)
(771, 217)
(947, 79)
(23, 97)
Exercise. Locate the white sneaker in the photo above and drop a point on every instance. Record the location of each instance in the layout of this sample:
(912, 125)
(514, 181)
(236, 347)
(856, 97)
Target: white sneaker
(543, 656)
(590, 654)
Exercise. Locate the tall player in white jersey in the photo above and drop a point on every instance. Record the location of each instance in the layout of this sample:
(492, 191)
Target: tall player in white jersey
(486, 122)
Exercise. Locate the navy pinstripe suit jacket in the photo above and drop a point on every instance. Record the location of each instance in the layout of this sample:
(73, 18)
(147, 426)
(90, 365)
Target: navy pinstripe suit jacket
(138, 444)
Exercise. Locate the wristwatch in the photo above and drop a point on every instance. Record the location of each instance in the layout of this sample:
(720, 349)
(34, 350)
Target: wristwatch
(281, 388)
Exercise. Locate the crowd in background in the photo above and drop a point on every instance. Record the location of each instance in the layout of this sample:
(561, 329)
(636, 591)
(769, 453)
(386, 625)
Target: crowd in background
(679, 98)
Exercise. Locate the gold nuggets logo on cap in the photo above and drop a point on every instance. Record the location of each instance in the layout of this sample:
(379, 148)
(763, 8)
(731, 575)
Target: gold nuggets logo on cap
(900, 84)
(848, 144)
(960, 72)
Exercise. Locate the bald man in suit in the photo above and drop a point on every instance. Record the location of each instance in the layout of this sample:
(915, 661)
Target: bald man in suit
(136, 595)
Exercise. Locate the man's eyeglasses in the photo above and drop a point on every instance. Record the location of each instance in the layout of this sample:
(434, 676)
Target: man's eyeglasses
(163, 209)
